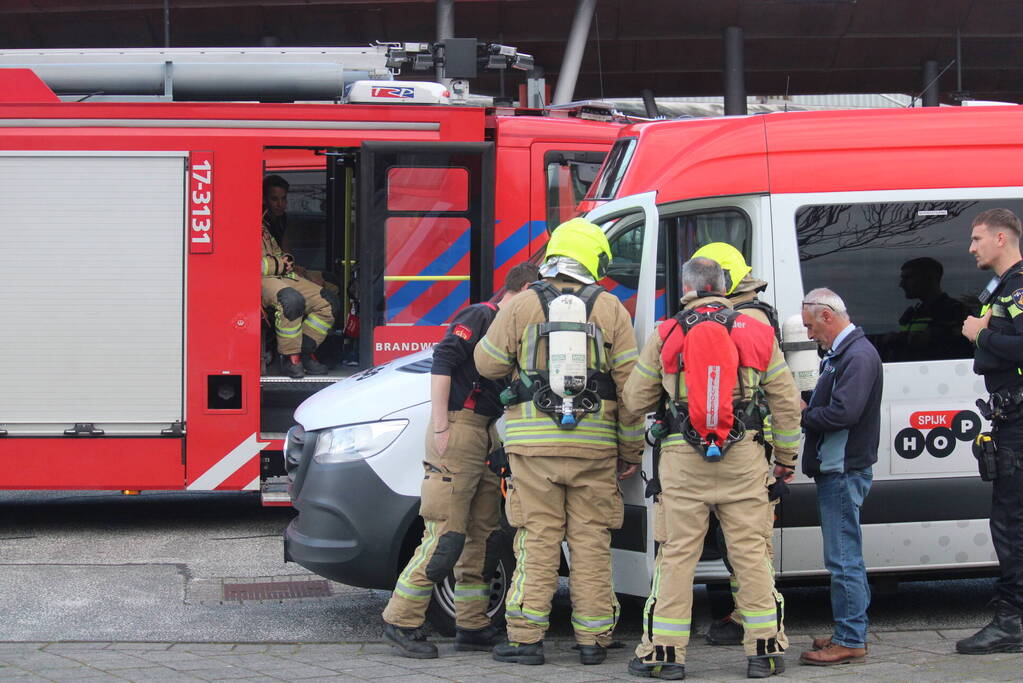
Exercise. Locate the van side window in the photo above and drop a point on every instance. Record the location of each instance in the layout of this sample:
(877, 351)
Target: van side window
(902, 268)
(569, 175)
(680, 236)
(687, 232)
(623, 272)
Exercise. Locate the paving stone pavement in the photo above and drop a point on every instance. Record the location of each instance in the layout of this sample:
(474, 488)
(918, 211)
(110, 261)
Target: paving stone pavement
(894, 656)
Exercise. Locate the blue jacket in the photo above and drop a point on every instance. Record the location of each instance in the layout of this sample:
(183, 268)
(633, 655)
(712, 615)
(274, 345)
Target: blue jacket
(843, 420)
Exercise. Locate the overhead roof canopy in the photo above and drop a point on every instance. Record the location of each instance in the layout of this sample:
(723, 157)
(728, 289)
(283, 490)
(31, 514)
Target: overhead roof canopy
(673, 47)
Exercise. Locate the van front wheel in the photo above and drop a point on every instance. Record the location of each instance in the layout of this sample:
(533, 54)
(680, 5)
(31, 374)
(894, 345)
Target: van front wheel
(441, 613)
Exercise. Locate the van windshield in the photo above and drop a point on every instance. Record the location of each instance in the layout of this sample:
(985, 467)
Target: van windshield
(611, 174)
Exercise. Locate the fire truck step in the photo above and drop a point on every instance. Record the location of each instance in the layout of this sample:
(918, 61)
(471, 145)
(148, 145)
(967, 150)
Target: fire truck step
(274, 492)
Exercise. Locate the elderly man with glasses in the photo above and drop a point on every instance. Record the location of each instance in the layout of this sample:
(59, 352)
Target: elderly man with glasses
(842, 426)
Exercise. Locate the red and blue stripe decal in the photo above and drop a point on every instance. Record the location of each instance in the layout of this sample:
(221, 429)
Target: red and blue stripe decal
(435, 303)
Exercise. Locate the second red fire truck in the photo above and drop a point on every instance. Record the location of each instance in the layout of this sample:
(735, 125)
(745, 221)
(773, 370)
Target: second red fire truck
(132, 357)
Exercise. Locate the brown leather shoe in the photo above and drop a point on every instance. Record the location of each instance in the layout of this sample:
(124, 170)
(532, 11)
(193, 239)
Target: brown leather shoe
(821, 643)
(833, 654)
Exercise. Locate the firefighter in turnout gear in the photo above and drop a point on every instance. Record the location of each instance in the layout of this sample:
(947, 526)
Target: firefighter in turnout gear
(461, 497)
(998, 336)
(564, 452)
(735, 483)
(742, 290)
(302, 315)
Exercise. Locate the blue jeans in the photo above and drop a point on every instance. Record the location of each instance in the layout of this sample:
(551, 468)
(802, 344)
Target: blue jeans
(839, 497)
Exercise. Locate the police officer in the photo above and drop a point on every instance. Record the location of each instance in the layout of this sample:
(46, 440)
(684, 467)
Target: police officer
(563, 484)
(461, 498)
(736, 485)
(998, 336)
(743, 290)
(302, 315)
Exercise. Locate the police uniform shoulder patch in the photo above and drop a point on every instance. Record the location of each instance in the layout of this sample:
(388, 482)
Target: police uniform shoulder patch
(1017, 297)
(465, 334)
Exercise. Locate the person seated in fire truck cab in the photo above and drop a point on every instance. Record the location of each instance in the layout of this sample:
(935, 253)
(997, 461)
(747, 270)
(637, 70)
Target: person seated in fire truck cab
(275, 215)
(302, 316)
(275, 206)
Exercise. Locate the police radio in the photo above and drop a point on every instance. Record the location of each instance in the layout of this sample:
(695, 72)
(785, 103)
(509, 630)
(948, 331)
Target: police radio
(989, 290)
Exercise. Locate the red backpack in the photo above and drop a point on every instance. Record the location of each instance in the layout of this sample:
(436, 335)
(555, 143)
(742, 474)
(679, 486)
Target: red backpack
(706, 346)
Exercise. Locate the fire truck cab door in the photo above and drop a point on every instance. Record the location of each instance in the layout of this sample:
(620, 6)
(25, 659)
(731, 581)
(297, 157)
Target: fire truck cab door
(425, 234)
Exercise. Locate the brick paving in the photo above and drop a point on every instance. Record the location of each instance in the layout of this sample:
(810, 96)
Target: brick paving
(894, 656)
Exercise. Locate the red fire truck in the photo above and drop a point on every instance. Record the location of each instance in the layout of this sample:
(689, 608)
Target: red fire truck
(133, 345)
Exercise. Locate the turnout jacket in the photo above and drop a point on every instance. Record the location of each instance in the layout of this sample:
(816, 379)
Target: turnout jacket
(843, 419)
(649, 382)
(999, 352)
(273, 256)
(748, 291)
(452, 356)
(613, 430)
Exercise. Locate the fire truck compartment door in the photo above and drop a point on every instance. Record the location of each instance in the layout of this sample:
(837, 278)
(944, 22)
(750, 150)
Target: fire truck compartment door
(426, 241)
(93, 292)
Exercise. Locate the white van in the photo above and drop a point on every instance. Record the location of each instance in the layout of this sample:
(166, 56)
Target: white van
(836, 199)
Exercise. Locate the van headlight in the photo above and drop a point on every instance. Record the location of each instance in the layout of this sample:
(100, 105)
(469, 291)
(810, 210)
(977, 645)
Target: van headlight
(356, 442)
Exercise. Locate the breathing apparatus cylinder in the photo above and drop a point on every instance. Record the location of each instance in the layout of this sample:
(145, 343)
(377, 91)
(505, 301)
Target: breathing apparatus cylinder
(800, 353)
(567, 353)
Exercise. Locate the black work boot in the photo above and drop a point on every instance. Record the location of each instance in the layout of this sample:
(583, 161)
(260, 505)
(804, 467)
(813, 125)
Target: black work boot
(1003, 634)
(765, 667)
(724, 632)
(291, 366)
(410, 642)
(592, 654)
(519, 653)
(312, 365)
(482, 639)
(650, 669)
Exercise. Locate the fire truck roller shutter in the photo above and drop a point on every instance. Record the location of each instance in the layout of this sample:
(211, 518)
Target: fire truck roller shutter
(94, 251)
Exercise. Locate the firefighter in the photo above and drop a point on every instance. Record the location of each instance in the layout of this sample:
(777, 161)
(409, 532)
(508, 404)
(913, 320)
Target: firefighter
(275, 215)
(742, 290)
(461, 498)
(998, 336)
(564, 464)
(302, 316)
(275, 204)
(692, 481)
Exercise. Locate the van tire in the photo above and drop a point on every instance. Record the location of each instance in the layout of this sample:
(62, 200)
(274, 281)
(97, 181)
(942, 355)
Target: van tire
(441, 612)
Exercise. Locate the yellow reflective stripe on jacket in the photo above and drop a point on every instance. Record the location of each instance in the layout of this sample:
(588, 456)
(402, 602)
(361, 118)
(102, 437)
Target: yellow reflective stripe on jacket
(674, 439)
(543, 430)
(494, 352)
(787, 438)
(541, 424)
(642, 369)
(624, 357)
(773, 370)
(633, 432)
